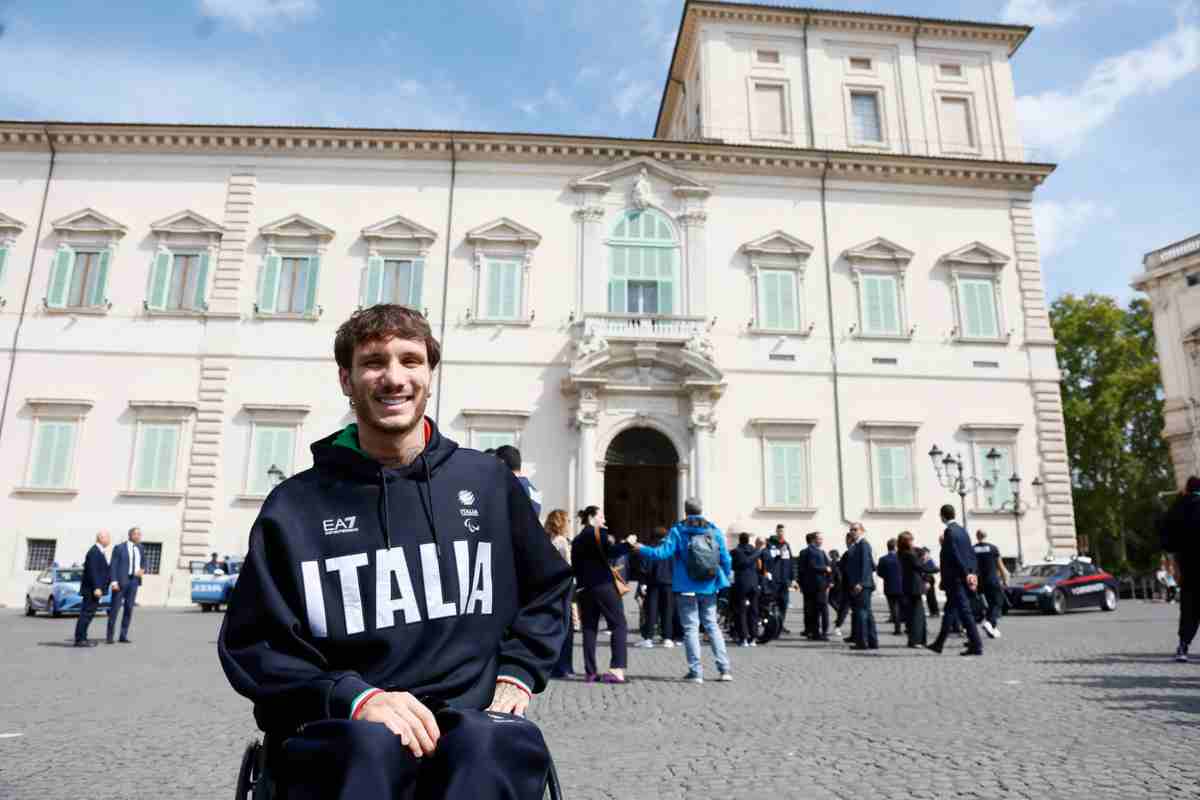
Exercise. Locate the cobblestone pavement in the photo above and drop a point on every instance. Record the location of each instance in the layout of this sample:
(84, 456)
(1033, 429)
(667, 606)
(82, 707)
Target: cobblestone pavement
(1087, 705)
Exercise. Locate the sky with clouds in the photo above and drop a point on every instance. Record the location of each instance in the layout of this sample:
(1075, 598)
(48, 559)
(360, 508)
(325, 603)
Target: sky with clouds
(1107, 89)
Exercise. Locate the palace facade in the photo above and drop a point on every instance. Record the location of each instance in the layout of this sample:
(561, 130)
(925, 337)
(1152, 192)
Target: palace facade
(821, 265)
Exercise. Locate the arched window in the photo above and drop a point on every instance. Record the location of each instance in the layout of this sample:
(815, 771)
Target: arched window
(643, 267)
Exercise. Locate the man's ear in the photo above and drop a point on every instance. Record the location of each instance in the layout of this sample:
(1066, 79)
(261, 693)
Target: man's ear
(344, 381)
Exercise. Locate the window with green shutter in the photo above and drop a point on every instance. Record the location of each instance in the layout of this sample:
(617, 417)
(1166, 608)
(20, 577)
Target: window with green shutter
(778, 300)
(53, 450)
(157, 455)
(997, 471)
(3, 263)
(787, 483)
(502, 289)
(880, 304)
(491, 440)
(894, 476)
(977, 305)
(78, 278)
(274, 446)
(643, 264)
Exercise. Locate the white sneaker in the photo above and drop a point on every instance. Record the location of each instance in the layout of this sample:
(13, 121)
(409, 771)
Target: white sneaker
(996, 632)
(693, 677)
(667, 643)
(988, 629)
(725, 678)
(644, 643)
(753, 643)
(837, 632)
(1181, 655)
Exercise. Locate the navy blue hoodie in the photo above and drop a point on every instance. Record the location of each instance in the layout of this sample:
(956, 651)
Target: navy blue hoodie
(433, 579)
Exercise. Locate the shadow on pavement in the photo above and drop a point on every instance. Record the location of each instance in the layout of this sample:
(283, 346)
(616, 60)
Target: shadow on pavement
(67, 643)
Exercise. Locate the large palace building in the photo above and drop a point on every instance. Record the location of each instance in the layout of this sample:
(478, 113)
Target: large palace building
(821, 265)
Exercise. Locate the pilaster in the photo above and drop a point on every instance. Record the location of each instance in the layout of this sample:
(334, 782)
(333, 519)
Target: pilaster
(204, 461)
(1029, 274)
(239, 205)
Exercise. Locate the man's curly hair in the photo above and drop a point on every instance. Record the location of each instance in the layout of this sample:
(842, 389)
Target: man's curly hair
(381, 322)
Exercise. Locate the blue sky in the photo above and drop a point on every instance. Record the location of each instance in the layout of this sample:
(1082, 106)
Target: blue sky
(1108, 89)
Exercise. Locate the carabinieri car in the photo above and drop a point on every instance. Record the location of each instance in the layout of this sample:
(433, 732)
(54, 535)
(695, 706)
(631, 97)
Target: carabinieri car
(1056, 587)
(211, 590)
(56, 592)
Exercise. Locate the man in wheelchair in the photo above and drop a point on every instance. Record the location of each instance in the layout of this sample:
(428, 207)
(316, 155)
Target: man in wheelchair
(400, 603)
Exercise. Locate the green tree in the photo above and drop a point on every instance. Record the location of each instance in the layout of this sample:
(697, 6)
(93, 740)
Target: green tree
(1113, 407)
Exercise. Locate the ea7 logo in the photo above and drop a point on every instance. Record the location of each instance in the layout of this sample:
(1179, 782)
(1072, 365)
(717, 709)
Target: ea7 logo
(339, 525)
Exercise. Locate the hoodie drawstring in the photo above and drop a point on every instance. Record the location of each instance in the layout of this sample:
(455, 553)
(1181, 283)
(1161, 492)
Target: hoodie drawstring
(429, 507)
(383, 502)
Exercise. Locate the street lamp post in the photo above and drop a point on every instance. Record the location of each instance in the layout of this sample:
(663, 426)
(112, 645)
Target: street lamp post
(1016, 505)
(950, 475)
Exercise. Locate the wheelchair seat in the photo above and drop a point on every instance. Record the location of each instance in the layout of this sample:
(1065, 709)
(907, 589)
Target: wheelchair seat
(255, 781)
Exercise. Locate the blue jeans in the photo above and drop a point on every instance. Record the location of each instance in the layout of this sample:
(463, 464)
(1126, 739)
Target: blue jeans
(696, 610)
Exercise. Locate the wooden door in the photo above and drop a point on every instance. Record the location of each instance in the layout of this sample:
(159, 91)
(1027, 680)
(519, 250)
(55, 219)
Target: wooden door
(638, 499)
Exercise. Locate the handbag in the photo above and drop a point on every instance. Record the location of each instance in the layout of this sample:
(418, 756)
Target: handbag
(623, 588)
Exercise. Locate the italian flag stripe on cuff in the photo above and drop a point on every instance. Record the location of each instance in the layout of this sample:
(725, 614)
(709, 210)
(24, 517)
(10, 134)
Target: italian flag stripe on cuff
(515, 682)
(361, 700)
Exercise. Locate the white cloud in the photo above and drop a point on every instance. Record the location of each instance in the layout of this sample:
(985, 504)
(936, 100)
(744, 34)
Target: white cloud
(1058, 122)
(259, 15)
(634, 95)
(152, 87)
(1047, 13)
(1060, 225)
(551, 99)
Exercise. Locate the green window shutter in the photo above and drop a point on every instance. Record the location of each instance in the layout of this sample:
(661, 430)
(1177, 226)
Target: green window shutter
(64, 442)
(310, 299)
(985, 299)
(889, 302)
(666, 284)
(284, 447)
(60, 277)
(901, 478)
(43, 454)
(418, 282)
(887, 487)
(788, 318)
(160, 280)
(778, 475)
(770, 299)
(97, 296)
(199, 301)
(511, 301)
(493, 289)
(374, 284)
(148, 458)
(872, 304)
(269, 284)
(168, 444)
(264, 457)
(795, 488)
(3, 262)
(968, 305)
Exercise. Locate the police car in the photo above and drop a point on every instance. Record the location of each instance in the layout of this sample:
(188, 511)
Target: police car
(211, 590)
(56, 592)
(1056, 587)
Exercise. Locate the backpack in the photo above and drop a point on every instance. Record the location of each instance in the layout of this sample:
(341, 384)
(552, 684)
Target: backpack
(703, 557)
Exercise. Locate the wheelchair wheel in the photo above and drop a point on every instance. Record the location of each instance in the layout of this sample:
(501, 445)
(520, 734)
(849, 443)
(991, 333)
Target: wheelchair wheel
(553, 788)
(248, 772)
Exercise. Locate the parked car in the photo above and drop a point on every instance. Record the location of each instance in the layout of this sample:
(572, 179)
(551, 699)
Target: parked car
(56, 592)
(211, 590)
(1056, 587)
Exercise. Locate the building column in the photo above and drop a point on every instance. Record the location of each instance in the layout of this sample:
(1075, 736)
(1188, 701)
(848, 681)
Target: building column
(702, 423)
(591, 277)
(587, 415)
(695, 277)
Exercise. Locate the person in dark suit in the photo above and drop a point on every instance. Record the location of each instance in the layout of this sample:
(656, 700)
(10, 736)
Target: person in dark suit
(860, 577)
(91, 587)
(815, 579)
(888, 569)
(744, 593)
(125, 573)
(914, 574)
(959, 579)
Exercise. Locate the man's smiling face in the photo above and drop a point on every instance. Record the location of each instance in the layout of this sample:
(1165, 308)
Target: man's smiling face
(389, 384)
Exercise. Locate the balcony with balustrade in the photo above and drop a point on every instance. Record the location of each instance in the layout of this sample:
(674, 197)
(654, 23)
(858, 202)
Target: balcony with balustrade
(637, 328)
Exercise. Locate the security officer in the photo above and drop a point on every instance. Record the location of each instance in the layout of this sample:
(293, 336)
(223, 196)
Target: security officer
(959, 579)
(992, 577)
(777, 562)
(815, 576)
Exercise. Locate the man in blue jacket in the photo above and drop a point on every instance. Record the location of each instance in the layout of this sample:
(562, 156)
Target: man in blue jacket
(400, 603)
(702, 568)
(125, 571)
(860, 575)
(959, 579)
(815, 576)
(888, 569)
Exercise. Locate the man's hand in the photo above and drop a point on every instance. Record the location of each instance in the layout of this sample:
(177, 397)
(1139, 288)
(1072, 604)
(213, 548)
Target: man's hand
(632, 541)
(972, 582)
(96, 593)
(405, 716)
(857, 589)
(116, 587)
(509, 699)
(140, 572)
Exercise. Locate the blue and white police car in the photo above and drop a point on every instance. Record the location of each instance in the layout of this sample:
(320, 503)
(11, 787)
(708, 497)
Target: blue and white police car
(1056, 587)
(56, 592)
(211, 588)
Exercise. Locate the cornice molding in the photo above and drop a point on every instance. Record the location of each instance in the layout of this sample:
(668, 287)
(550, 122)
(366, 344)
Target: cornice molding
(247, 141)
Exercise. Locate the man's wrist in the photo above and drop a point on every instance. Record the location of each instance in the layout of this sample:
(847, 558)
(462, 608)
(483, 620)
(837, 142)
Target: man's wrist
(360, 702)
(508, 679)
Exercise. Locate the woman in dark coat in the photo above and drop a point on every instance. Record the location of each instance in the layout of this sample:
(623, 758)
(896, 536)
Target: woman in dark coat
(591, 551)
(913, 574)
(744, 593)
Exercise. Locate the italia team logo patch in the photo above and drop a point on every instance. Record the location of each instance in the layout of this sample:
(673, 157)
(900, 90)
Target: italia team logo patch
(466, 497)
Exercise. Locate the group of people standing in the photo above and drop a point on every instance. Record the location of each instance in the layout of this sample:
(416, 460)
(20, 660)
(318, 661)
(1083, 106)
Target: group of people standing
(120, 573)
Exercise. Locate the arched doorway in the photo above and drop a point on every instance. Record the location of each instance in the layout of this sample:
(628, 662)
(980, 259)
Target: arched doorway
(641, 480)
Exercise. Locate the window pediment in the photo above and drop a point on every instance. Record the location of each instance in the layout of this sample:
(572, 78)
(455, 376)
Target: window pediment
(163, 410)
(503, 231)
(88, 221)
(399, 232)
(296, 226)
(777, 250)
(879, 252)
(496, 419)
(890, 429)
(279, 413)
(187, 223)
(10, 227)
(681, 185)
(976, 255)
(59, 408)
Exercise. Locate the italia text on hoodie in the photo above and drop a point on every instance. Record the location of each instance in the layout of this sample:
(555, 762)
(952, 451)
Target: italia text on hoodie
(433, 578)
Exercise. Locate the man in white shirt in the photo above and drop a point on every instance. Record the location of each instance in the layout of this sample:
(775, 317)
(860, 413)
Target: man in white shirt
(125, 575)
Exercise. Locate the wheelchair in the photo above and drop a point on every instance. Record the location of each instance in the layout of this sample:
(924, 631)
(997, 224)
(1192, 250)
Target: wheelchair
(764, 628)
(255, 781)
